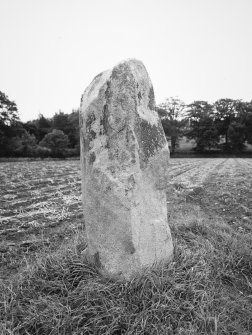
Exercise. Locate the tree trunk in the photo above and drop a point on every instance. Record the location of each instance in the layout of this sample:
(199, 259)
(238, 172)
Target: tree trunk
(173, 144)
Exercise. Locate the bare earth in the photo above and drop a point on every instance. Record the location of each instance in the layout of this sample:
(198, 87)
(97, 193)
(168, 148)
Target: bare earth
(40, 202)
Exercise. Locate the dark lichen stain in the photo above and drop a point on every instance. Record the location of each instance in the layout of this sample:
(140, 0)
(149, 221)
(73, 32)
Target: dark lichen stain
(151, 96)
(129, 247)
(108, 92)
(104, 124)
(150, 140)
(89, 121)
(90, 133)
(104, 121)
(101, 132)
(97, 260)
(108, 188)
(92, 158)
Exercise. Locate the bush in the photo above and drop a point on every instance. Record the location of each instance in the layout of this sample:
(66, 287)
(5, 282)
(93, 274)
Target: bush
(41, 152)
(57, 142)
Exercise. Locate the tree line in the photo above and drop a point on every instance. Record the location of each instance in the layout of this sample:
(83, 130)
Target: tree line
(43, 137)
(224, 126)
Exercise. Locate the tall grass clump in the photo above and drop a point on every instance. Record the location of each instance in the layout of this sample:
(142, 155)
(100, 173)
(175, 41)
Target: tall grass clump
(207, 289)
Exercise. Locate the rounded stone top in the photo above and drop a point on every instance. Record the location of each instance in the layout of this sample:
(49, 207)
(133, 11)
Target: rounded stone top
(129, 78)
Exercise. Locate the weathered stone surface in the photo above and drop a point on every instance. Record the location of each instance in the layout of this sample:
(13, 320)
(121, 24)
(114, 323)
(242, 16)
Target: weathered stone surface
(124, 159)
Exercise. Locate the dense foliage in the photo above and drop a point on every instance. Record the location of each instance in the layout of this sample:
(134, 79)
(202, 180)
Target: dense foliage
(224, 126)
(43, 137)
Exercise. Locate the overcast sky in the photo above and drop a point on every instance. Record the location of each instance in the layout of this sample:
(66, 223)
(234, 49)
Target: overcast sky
(193, 49)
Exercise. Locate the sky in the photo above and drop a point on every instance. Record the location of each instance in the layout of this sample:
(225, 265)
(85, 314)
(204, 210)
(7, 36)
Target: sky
(194, 49)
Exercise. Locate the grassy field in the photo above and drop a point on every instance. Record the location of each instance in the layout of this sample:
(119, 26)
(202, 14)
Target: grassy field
(47, 286)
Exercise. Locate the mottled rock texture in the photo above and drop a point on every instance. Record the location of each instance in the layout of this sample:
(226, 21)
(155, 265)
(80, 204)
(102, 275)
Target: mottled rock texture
(124, 159)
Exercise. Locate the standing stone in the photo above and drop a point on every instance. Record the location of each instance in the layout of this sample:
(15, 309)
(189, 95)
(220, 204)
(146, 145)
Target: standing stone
(124, 160)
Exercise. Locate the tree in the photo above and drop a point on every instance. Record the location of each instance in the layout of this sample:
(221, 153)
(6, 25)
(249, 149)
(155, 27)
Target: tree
(43, 125)
(202, 128)
(248, 128)
(32, 128)
(226, 111)
(8, 111)
(10, 125)
(60, 121)
(236, 135)
(69, 124)
(246, 119)
(171, 113)
(22, 145)
(57, 141)
(74, 135)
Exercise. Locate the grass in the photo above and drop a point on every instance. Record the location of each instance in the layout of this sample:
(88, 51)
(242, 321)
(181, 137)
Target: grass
(207, 289)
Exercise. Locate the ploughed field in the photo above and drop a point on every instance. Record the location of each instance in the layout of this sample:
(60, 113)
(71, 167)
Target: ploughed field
(40, 202)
